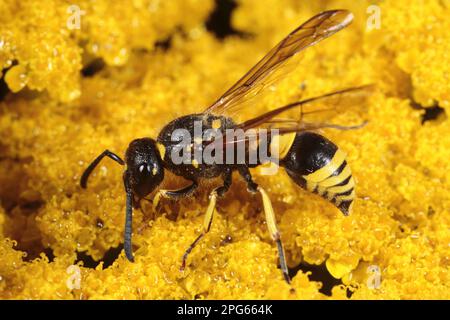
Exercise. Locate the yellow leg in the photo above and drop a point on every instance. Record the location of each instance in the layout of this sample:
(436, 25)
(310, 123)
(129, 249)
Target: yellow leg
(273, 230)
(157, 199)
(206, 226)
(210, 211)
(174, 194)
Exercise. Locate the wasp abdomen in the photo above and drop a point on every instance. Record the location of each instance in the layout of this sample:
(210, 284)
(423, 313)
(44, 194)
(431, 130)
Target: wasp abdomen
(318, 165)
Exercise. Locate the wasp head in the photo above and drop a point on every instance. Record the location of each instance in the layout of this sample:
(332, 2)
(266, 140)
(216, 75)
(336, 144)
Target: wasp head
(144, 167)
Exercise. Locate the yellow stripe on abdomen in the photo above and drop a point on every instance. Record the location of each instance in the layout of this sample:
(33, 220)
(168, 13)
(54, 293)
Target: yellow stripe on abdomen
(333, 181)
(341, 189)
(281, 144)
(327, 170)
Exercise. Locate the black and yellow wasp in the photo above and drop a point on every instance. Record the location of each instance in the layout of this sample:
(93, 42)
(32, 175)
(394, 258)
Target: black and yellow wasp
(311, 160)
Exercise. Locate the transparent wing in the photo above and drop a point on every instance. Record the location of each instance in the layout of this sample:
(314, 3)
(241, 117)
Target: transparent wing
(306, 115)
(313, 110)
(272, 67)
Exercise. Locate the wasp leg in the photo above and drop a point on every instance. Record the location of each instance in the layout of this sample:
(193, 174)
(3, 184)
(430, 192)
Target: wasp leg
(270, 218)
(217, 192)
(128, 218)
(274, 233)
(245, 173)
(88, 171)
(174, 194)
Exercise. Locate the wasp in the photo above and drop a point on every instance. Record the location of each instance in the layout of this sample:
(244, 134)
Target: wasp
(311, 160)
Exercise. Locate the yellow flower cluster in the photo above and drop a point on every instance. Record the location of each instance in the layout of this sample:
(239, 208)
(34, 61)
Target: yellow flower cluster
(395, 245)
(51, 40)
